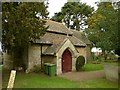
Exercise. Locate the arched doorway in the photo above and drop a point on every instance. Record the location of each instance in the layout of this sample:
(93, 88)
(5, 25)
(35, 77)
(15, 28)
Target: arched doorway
(66, 61)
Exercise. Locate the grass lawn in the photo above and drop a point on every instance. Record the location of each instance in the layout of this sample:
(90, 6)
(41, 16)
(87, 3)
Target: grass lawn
(98, 83)
(43, 81)
(100, 66)
(39, 80)
(92, 67)
(35, 80)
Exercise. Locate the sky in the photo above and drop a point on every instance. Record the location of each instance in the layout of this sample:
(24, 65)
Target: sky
(55, 5)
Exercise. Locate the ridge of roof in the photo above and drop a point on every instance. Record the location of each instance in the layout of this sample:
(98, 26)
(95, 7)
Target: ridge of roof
(58, 27)
(54, 21)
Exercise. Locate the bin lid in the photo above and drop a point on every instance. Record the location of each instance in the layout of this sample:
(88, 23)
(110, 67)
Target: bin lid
(46, 63)
(50, 64)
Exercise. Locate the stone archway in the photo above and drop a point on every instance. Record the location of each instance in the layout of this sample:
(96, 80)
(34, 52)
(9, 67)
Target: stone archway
(74, 54)
(66, 61)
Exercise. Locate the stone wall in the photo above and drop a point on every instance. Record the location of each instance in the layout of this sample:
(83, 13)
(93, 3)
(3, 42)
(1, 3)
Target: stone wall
(88, 52)
(49, 59)
(34, 57)
(82, 51)
(7, 61)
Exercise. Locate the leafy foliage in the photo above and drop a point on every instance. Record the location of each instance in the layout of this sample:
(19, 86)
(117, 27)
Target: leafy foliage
(103, 27)
(74, 14)
(0, 26)
(20, 23)
(80, 63)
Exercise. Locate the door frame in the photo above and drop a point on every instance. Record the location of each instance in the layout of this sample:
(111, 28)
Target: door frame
(66, 68)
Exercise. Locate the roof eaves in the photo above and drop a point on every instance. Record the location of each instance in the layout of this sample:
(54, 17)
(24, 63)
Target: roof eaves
(41, 41)
(53, 54)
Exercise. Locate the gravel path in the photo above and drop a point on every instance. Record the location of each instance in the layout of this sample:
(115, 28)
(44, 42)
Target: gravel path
(77, 76)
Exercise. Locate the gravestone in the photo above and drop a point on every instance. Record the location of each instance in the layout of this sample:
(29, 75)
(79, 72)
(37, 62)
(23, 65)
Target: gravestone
(11, 79)
(111, 72)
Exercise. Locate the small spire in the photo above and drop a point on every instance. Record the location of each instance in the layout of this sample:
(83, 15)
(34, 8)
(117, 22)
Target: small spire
(67, 35)
(63, 22)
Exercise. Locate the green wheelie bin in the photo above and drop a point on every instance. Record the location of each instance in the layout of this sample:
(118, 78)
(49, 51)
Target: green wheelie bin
(46, 68)
(51, 69)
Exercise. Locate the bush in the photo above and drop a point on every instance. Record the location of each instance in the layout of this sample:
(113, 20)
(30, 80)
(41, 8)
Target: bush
(80, 62)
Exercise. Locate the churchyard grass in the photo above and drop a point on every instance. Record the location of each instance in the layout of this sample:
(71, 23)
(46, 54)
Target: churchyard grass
(40, 80)
(99, 66)
(98, 83)
(34, 80)
(92, 67)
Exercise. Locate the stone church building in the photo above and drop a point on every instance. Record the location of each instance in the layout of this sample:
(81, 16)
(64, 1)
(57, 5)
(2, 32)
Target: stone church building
(59, 46)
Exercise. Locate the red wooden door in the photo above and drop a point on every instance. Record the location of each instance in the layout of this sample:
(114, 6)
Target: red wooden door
(66, 61)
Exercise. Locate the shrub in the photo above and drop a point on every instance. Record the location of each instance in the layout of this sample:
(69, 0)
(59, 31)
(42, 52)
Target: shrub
(80, 63)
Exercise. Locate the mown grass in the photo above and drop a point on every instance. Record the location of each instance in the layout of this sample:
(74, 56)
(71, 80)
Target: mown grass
(92, 67)
(99, 66)
(34, 80)
(98, 83)
(40, 80)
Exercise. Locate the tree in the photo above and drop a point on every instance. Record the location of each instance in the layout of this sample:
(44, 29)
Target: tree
(103, 27)
(117, 50)
(74, 15)
(0, 26)
(21, 23)
(0, 21)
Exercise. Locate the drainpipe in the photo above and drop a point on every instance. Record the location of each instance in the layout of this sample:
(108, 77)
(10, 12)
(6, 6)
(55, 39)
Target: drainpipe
(41, 57)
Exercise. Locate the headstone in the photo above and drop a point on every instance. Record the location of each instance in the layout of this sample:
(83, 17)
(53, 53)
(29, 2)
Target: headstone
(111, 72)
(11, 79)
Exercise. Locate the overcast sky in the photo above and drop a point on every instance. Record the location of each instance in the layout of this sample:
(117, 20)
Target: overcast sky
(55, 5)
